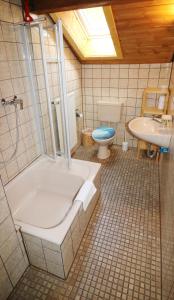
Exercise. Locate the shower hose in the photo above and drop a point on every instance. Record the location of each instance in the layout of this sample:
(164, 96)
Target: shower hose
(17, 139)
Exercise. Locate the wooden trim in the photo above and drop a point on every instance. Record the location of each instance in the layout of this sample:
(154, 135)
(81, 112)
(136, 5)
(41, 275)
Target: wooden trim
(72, 43)
(67, 35)
(127, 61)
(156, 91)
(69, 45)
(113, 30)
(72, 49)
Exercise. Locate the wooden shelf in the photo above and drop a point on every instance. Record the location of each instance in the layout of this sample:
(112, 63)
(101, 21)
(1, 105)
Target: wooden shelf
(154, 110)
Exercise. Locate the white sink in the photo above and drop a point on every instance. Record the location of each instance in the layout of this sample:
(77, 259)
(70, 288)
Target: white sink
(151, 131)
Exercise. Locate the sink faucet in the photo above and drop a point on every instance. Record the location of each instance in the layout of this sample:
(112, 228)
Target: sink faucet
(165, 120)
(157, 118)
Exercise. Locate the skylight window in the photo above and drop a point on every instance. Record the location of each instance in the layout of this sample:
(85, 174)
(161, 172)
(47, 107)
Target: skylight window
(91, 32)
(99, 40)
(94, 21)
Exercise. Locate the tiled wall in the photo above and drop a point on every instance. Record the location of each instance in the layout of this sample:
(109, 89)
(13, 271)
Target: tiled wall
(13, 259)
(120, 83)
(167, 218)
(14, 81)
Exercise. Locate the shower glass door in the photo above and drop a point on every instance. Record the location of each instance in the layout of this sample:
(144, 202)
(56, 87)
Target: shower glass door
(44, 52)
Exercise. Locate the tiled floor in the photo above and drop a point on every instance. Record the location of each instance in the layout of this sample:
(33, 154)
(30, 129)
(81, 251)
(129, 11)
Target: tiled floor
(119, 257)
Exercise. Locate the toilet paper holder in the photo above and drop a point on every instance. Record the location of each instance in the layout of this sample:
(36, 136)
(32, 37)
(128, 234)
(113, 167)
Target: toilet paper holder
(79, 114)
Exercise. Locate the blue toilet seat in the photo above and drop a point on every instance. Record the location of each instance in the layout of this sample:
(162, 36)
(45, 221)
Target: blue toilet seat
(103, 133)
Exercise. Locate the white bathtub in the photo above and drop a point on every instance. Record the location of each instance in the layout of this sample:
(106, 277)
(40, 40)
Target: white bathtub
(42, 204)
(42, 195)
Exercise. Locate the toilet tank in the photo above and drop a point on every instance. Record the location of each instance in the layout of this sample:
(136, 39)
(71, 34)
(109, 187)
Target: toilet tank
(109, 112)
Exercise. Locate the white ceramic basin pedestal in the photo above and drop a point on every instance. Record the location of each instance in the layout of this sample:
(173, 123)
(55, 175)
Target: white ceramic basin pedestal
(147, 129)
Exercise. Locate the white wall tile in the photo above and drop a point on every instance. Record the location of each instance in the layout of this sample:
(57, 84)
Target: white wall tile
(3, 125)
(53, 256)
(5, 11)
(6, 229)
(3, 56)
(4, 210)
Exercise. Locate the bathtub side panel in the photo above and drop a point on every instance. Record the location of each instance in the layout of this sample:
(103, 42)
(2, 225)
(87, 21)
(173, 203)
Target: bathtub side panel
(57, 258)
(79, 226)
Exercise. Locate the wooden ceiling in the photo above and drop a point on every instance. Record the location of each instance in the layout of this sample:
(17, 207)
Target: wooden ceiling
(146, 30)
(145, 27)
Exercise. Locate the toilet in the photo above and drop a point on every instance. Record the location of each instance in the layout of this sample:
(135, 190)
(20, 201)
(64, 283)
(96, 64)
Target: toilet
(104, 136)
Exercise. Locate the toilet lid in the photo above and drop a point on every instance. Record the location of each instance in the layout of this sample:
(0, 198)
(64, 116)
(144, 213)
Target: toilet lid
(103, 133)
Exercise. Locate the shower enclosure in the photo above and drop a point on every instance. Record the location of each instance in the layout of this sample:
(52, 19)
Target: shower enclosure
(44, 54)
(51, 202)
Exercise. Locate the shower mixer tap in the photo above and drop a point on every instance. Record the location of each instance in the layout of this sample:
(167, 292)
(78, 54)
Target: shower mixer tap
(14, 101)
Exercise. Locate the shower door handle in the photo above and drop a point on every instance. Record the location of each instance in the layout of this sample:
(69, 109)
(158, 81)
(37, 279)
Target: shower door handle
(57, 102)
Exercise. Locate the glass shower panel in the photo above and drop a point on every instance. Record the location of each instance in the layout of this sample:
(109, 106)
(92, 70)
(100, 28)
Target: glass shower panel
(30, 115)
(51, 56)
(35, 86)
(41, 88)
(66, 130)
(43, 54)
(52, 53)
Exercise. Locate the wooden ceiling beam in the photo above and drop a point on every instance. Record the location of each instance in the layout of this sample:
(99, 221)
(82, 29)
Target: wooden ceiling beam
(51, 6)
(45, 6)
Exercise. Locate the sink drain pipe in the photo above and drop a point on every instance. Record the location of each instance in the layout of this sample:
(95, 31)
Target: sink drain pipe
(150, 153)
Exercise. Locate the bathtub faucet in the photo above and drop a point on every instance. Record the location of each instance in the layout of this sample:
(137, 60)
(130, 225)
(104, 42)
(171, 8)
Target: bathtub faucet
(13, 101)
